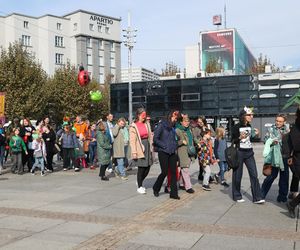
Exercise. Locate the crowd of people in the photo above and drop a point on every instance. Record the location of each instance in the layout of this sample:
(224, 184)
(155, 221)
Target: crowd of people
(177, 141)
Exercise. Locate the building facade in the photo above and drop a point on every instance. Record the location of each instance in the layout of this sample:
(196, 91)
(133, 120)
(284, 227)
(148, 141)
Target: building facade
(139, 74)
(220, 99)
(225, 47)
(81, 38)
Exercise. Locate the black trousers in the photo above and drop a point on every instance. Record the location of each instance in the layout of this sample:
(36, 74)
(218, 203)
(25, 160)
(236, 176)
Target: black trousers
(246, 157)
(167, 161)
(69, 154)
(49, 159)
(294, 187)
(102, 170)
(142, 174)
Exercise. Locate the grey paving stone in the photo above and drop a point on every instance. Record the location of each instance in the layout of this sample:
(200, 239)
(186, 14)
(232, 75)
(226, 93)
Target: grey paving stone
(165, 238)
(10, 235)
(27, 223)
(37, 244)
(69, 207)
(217, 242)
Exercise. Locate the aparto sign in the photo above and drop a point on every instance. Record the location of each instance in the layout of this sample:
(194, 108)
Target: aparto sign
(102, 20)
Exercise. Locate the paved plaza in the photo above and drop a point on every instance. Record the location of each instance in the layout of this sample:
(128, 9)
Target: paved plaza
(68, 210)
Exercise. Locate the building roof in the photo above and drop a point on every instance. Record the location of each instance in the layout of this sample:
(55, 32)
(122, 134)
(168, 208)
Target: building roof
(92, 13)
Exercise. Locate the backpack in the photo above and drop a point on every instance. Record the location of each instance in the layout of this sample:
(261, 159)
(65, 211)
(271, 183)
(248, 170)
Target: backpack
(231, 156)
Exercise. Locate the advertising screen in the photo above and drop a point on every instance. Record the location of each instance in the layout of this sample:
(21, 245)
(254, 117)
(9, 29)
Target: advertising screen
(218, 45)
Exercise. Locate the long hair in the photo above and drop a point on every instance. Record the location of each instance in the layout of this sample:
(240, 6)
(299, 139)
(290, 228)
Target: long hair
(220, 133)
(170, 114)
(138, 112)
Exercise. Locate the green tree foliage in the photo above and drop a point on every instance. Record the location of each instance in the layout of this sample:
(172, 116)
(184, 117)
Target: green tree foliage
(23, 80)
(213, 66)
(260, 65)
(67, 97)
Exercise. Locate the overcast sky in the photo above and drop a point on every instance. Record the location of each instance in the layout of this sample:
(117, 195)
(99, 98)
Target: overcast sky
(165, 27)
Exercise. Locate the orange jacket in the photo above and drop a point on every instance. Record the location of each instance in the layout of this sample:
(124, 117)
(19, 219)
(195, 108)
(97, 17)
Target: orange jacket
(81, 128)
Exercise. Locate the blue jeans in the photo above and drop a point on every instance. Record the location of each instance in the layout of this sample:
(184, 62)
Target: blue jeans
(223, 168)
(92, 152)
(283, 182)
(247, 157)
(120, 166)
(39, 161)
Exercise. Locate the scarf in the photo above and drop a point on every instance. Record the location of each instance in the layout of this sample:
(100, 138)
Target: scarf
(188, 132)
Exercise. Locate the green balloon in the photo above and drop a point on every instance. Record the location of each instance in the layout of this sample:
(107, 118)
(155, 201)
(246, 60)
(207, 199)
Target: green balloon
(96, 96)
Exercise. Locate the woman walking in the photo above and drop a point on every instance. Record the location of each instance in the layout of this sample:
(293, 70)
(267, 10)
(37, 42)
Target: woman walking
(242, 134)
(141, 141)
(184, 141)
(103, 150)
(165, 141)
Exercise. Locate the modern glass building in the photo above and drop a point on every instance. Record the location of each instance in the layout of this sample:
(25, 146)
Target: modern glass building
(218, 98)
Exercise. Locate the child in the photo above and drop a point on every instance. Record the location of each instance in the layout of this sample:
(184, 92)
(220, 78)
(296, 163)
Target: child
(16, 145)
(206, 157)
(39, 154)
(219, 150)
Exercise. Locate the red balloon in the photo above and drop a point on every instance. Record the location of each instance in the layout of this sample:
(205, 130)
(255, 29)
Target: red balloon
(83, 78)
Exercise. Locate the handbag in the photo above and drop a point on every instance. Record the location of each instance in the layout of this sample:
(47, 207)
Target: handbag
(191, 150)
(56, 149)
(267, 169)
(231, 155)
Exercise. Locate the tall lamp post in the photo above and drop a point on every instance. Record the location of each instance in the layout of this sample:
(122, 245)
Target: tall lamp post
(130, 34)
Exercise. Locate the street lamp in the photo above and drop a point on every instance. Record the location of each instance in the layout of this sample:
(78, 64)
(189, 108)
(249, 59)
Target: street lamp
(130, 34)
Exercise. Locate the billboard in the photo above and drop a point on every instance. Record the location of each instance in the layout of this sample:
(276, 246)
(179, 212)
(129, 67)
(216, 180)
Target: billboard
(218, 45)
(244, 60)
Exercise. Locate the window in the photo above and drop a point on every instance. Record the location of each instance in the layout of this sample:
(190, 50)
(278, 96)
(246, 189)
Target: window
(91, 27)
(59, 41)
(112, 60)
(59, 26)
(112, 47)
(190, 97)
(26, 24)
(26, 40)
(75, 26)
(100, 44)
(89, 59)
(101, 75)
(101, 60)
(107, 30)
(59, 58)
(100, 28)
(89, 42)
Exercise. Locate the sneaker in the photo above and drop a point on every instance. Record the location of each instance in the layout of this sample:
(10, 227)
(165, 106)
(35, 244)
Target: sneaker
(224, 183)
(291, 210)
(109, 170)
(182, 187)
(42, 173)
(240, 201)
(65, 169)
(104, 178)
(206, 188)
(141, 190)
(124, 178)
(49, 170)
(32, 171)
(261, 201)
(92, 167)
(77, 169)
(117, 173)
(190, 191)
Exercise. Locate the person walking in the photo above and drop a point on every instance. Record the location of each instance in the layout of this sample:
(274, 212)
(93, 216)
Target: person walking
(276, 142)
(165, 141)
(185, 157)
(242, 134)
(141, 140)
(103, 150)
(294, 161)
(119, 152)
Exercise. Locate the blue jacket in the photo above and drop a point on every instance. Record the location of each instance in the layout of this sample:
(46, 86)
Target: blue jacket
(219, 149)
(165, 138)
(67, 140)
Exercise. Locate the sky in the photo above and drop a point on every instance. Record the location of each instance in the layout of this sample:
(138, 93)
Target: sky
(166, 27)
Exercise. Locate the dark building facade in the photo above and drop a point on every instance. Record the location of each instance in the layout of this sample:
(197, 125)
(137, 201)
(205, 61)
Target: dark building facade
(218, 98)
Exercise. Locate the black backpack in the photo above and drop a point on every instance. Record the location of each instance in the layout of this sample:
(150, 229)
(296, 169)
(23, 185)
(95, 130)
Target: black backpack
(231, 156)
